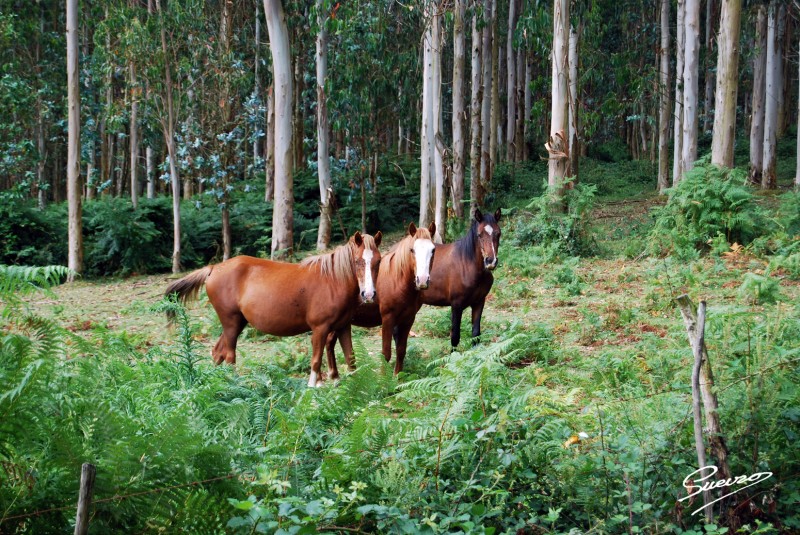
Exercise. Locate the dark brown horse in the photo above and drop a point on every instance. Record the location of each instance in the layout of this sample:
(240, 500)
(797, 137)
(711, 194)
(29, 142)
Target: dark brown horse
(404, 275)
(317, 295)
(461, 275)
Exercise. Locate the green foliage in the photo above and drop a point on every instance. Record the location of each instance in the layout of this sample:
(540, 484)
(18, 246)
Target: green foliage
(563, 224)
(759, 289)
(708, 202)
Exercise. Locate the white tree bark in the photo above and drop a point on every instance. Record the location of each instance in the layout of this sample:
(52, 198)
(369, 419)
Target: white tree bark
(269, 147)
(758, 97)
(708, 111)
(558, 145)
(677, 147)
(511, 82)
(691, 64)
(75, 227)
(134, 141)
(496, 136)
(774, 85)
(724, 134)
(323, 148)
(440, 208)
(459, 114)
(151, 172)
(476, 99)
(528, 105)
(663, 101)
(283, 205)
(257, 77)
(573, 101)
(427, 132)
(486, 104)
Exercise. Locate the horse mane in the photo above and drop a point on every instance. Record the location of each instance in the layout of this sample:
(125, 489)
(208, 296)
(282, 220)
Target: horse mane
(397, 260)
(338, 264)
(465, 245)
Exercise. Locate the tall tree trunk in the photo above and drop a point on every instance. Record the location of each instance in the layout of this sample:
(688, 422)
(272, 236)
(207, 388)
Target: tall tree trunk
(282, 216)
(558, 144)
(169, 139)
(476, 99)
(427, 131)
(151, 172)
(323, 149)
(690, 84)
(759, 97)
(495, 138)
(680, 38)
(709, 96)
(75, 228)
(528, 106)
(459, 114)
(257, 78)
(134, 136)
(440, 204)
(773, 77)
(797, 172)
(486, 105)
(727, 83)
(511, 86)
(269, 147)
(784, 41)
(225, 32)
(572, 121)
(663, 101)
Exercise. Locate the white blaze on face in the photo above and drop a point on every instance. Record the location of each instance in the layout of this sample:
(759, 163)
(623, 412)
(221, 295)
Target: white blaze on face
(369, 285)
(489, 231)
(423, 254)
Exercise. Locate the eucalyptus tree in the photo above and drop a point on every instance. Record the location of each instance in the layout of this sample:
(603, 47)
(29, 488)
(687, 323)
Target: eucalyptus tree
(486, 101)
(727, 83)
(282, 216)
(323, 151)
(476, 100)
(690, 85)
(664, 100)
(758, 96)
(677, 138)
(511, 80)
(774, 85)
(75, 227)
(558, 145)
(459, 112)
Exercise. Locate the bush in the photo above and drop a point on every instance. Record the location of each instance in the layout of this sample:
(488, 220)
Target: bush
(566, 231)
(31, 236)
(708, 202)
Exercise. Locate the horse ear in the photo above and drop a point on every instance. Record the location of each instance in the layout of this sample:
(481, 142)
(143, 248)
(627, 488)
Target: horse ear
(358, 238)
(478, 215)
(432, 228)
(378, 237)
(497, 215)
(412, 229)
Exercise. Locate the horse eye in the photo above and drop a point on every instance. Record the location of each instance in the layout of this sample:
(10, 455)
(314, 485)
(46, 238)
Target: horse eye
(412, 250)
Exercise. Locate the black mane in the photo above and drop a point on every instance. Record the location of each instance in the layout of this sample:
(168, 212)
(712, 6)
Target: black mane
(465, 245)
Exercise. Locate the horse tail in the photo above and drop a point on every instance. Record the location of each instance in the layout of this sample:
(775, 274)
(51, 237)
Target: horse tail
(187, 288)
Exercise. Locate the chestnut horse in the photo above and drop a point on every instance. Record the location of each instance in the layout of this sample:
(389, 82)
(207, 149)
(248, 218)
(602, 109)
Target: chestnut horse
(404, 274)
(461, 274)
(317, 295)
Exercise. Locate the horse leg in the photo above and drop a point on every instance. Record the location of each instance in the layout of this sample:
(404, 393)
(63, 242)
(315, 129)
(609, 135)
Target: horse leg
(477, 312)
(402, 343)
(387, 334)
(455, 327)
(330, 351)
(346, 341)
(225, 348)
(319, 338)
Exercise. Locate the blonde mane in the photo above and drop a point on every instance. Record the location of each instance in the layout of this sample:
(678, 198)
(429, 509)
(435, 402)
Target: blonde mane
(398, 260)
(338, 264)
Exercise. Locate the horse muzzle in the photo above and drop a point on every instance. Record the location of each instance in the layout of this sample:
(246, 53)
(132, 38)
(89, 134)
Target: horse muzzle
(367, 298)
(490, 263)
(422, 284)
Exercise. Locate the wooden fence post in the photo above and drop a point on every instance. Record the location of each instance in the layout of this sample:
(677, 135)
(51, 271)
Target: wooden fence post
(694, 320)
(85, 499)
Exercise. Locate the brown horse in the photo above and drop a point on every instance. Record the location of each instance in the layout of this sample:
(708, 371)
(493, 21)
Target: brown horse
(461, 274)
(317, 295)
(403, 275)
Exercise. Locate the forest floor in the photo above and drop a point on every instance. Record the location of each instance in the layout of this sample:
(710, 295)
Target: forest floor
(608, 304)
